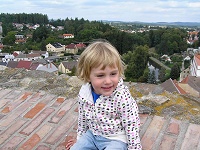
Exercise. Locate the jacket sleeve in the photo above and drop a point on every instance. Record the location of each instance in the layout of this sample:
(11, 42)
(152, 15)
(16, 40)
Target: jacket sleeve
(82, 122)
(130, 119)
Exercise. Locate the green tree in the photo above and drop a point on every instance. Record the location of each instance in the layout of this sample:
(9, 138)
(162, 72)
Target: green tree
(136, 63)
(161, 75)
(87, 35)
(186, 63)
(9, 38)
(195, 44)
(41, 33)
(24, 18)
(173, 48)
(73, 71)
(170, 40)
(50, 39)
(151, 38)
(175, 72)
(7, 27)
(43, 46)
(144, 77)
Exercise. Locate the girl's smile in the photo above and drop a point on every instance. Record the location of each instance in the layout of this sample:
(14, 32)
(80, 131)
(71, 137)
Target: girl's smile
(104, 81)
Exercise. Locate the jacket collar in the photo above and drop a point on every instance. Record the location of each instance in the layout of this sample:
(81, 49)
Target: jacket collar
(86, 91)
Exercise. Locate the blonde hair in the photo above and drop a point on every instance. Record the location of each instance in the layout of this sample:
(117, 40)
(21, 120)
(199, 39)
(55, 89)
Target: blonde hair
(96, 54)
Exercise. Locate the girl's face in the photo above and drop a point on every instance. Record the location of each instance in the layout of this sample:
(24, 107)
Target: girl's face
(104, 81)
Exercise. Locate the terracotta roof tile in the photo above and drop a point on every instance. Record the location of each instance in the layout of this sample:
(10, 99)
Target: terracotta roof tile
(71, 46)
(181, 91)
(80, 45)
(185, 80)
(15, 54)
(40, 120)
(67, 34)
(24, 64)
(34, 66)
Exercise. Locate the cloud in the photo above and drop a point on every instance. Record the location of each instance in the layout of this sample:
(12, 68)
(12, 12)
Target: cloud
(121, 10)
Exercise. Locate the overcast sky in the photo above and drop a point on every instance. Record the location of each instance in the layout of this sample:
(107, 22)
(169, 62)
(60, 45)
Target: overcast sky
(113, 10)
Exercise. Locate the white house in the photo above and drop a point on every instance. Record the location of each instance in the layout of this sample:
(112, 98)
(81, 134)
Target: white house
(68, 36)
(195, 66)
(66, 67)
(49, 67)
(166, 58)
(187, 58)
(42, 53)
(19, 36)
(55, 48)
(60, 27)
(8, 58)
(27, 57)
(36, 26)
(71, 48)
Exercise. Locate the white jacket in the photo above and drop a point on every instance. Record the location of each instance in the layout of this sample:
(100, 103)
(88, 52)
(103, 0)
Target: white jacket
(114, 117)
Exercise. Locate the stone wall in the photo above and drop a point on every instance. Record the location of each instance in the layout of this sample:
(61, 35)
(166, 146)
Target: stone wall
(35, 80)
(151, 98)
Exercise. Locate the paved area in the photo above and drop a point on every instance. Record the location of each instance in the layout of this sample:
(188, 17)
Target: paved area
(42, 121)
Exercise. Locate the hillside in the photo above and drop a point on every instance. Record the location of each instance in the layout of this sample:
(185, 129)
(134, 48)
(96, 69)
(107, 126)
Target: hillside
(168, 24)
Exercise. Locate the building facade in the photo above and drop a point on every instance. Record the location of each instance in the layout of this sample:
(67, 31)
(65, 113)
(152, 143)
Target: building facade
(195, 66)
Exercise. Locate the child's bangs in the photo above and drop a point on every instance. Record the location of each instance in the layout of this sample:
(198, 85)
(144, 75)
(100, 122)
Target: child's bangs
(104, 61)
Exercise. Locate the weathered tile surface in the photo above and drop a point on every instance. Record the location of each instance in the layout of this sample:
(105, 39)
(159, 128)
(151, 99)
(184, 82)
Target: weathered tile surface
(42, 121)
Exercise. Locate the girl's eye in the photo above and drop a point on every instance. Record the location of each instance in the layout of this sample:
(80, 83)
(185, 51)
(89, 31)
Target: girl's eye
(113, 74)
(100, 75)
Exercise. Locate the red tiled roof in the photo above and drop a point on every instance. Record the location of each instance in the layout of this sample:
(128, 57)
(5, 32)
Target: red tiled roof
(80, 45)
(1, 46)
(15, 54)
(172, 86)
(71, 46)
(193, 33)
(24, 64)
(181, 91)
(40, 120)
(67, 34)
(33, 55)
(20, 40)
(34, 66)
(185, 81)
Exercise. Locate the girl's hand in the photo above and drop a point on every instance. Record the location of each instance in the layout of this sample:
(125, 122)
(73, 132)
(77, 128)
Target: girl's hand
(70, 143)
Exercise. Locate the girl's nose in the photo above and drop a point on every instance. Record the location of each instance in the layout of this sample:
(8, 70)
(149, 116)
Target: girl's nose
(107, 80)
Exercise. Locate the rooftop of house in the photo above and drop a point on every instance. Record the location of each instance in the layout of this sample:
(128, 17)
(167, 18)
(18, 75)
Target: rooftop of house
(41, 120)
(71, 46)
(57, 45)
(69, 64)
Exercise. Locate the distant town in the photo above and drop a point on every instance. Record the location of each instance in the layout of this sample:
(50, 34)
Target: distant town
(55, 47)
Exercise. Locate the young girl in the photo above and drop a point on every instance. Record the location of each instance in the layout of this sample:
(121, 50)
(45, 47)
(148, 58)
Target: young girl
(108, 114)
